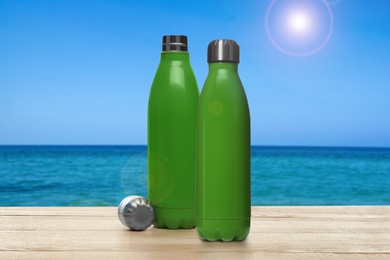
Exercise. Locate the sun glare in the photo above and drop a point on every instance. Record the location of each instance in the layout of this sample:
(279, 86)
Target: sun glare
(299, 22)
(299, 27)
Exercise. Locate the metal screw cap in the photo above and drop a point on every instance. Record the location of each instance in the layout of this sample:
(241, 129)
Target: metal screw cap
(175, 43)
(223, 51)
(136, 213)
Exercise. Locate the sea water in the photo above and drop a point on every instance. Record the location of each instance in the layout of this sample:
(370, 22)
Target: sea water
(104, 175)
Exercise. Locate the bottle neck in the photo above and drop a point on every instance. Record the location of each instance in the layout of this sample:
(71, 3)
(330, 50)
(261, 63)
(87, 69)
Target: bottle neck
(175, 56)
(230, 66)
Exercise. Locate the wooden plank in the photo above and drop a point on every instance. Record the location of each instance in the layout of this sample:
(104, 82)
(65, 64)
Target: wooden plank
(276, 232)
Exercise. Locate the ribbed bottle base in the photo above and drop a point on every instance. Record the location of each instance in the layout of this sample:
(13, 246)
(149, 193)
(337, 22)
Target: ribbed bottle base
(174, 218)
(222, 229)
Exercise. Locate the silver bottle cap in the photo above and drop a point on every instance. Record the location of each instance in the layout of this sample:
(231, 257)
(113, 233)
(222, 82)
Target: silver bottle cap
(175, 43)
(223, 51)
(136, 213)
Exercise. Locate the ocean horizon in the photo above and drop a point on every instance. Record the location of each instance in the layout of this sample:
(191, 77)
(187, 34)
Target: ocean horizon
(102, 175)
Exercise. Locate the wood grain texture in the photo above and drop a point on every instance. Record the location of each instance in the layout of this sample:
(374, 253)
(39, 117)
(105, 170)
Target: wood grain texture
(276, 233)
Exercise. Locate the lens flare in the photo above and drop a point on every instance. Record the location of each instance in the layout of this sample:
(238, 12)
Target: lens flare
(332, 2)
(299, 22)
(299, 27)
(134, 175)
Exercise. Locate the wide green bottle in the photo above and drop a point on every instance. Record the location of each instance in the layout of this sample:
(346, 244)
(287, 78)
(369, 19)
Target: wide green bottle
(171, 137)
(223, 149)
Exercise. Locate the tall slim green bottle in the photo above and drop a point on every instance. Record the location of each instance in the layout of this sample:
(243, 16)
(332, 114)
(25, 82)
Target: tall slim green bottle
(223, 149)
(171, 137)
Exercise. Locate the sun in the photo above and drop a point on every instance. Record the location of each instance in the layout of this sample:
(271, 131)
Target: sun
(299, 27)
(299, 22)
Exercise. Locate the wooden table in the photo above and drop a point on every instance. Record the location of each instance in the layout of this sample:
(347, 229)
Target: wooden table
(276, 233)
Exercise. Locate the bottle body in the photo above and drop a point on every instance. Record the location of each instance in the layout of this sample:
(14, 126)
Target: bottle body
(171, 141)
(223, 156)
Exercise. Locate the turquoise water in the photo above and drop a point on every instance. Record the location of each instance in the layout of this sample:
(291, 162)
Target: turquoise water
(104, 175)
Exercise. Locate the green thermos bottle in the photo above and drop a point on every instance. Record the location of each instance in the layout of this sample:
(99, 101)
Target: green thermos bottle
(223, 149)
(171, 137)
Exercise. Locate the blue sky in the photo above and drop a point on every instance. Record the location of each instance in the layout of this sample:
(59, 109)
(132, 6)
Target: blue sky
(79, 72)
